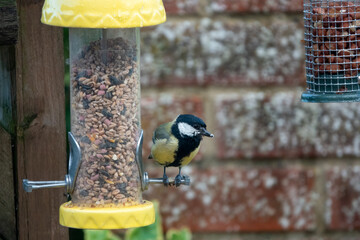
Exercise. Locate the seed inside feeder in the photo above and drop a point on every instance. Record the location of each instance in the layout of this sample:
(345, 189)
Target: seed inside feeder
(106, 122)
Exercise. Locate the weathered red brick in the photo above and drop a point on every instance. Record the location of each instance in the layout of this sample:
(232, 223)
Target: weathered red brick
(181, 6)
(238, 199)
(244, 6)
(224, 52)
(161, 108)
(343, 198)
(256, 124)
(287, 236)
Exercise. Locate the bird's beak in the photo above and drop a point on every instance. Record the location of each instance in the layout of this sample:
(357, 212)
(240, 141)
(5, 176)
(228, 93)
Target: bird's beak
(206, 133)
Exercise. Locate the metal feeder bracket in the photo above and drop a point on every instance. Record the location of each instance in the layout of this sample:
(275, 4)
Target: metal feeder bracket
(144, 176)
(69, 182)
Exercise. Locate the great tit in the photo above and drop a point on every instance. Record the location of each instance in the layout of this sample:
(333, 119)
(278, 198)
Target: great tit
(177, 142)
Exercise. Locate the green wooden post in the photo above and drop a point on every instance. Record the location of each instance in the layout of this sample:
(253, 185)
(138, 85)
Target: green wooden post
(8, 23)
(8, 37)
(7, 192)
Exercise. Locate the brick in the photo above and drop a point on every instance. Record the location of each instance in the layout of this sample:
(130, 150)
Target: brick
(241, 52)
(276, 124)
(239, 199)
(343, 198)
(174, 7)
(246, 6)
(287, 236)
(165, 107)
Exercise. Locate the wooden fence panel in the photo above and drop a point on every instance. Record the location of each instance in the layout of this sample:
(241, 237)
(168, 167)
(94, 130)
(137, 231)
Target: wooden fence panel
(41, 134)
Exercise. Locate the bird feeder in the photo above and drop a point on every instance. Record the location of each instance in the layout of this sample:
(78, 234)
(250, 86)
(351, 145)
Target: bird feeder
(332, 50)
(105, 176)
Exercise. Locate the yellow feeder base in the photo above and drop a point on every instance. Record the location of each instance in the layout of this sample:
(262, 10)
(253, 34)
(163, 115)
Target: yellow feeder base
(107, 217)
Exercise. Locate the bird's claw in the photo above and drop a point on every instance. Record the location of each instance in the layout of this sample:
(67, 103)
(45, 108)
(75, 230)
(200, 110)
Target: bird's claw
(166, 181)
(178, 179)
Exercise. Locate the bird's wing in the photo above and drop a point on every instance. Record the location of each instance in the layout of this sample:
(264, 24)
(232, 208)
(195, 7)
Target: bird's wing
(162, 132)
(162, 140)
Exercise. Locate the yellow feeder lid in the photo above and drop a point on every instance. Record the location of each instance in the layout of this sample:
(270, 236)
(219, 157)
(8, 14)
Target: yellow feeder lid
(107, 217)
(103, 14)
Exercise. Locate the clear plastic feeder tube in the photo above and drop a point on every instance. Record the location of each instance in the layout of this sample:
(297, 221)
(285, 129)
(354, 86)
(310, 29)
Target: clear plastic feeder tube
(105, 114)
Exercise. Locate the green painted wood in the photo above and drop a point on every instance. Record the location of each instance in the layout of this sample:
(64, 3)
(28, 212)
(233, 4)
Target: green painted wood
(8, 23)
(5, 3)
(7, 195)
(7, 74)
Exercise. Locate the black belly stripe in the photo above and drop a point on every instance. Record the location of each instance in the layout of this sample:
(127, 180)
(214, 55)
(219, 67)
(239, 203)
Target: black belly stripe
(186, 147)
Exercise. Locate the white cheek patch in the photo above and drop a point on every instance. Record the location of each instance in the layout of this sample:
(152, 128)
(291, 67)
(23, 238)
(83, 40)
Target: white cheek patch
(187, 130)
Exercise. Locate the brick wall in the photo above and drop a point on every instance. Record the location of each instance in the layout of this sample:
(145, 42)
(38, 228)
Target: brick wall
(277, 168)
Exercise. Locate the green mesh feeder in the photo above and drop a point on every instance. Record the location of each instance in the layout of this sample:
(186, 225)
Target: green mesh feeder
(332, 50)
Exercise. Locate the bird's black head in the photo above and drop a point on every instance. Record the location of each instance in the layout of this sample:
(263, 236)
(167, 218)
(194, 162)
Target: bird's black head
(191, 126)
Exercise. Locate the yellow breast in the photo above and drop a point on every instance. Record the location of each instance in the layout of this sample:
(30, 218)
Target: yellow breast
(163, 151)
(187, 160)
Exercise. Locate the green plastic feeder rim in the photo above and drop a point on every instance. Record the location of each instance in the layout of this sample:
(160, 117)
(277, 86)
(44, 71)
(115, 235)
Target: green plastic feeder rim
(331, 88)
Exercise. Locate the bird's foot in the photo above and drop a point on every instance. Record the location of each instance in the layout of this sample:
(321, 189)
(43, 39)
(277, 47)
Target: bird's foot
(178, 179)
(166, 181)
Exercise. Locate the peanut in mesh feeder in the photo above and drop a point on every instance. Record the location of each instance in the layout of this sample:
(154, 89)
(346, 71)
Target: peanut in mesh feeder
(332, 51)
